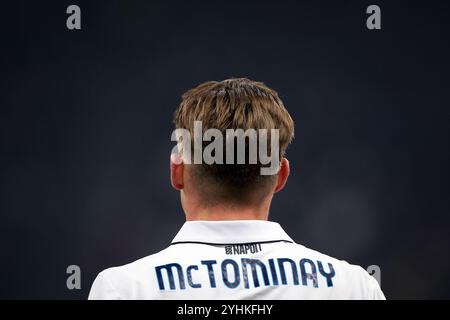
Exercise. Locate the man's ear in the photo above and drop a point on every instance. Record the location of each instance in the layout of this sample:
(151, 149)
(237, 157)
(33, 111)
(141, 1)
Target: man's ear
(176, 171)
(283, 175)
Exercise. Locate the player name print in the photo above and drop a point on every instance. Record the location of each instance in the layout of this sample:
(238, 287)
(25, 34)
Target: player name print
(245, 272)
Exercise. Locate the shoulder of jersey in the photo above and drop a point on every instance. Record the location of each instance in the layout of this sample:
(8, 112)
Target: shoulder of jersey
(363, 285)
(133, 270)
(350, 278)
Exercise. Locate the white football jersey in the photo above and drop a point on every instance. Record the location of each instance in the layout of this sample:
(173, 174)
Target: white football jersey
(235, 260)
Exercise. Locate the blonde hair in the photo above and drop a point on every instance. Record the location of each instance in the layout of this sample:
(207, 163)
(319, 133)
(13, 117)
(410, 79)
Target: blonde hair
(234, 104)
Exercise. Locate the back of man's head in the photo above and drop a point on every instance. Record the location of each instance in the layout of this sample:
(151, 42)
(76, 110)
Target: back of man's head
(234, 104)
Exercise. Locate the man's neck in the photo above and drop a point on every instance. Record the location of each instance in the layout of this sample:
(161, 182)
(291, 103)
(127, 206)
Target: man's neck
(228, 213)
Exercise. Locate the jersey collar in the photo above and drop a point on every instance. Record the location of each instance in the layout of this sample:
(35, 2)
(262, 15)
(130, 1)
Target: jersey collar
(231, 232)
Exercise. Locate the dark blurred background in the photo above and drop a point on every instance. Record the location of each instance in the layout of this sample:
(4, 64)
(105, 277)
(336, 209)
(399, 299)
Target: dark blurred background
(86, 118)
